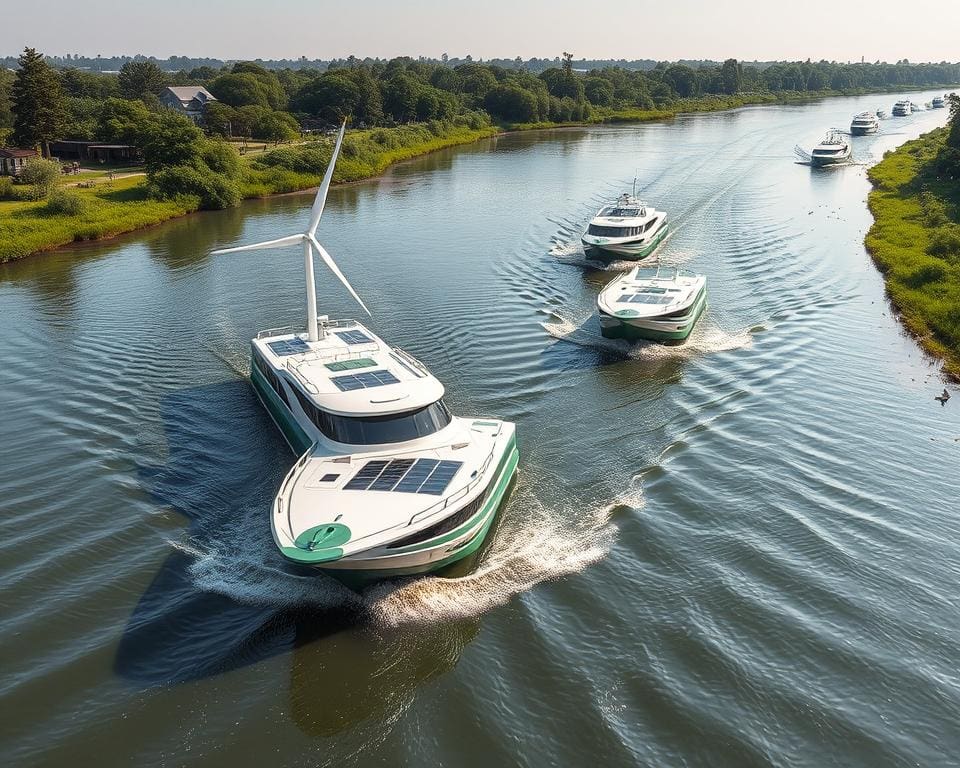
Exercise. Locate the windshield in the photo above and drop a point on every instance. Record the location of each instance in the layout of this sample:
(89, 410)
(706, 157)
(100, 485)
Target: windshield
(375, 430)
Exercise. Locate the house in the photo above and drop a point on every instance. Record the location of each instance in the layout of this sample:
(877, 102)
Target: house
(188, 100)
(13, 160)
(94, 151)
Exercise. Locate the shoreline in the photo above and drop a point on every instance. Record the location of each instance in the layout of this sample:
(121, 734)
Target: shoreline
(898, 243)
(623, 117)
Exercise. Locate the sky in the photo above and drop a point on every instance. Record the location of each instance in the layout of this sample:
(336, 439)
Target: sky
(889, 30)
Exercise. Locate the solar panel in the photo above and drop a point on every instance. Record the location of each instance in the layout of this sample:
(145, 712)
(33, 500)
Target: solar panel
(349, 365)
(353, 337)
(426, 476)
(295, 346)
(366, 380)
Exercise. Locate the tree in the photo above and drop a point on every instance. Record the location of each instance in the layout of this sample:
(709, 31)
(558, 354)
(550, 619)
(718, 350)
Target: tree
(332, 96)
(139, 78)
(6, 98)
(38, 102)
(599, 91)
(512, 103)
(731, 76)
(240, 90)
(171, 139)
(400, 97)
(682, 79)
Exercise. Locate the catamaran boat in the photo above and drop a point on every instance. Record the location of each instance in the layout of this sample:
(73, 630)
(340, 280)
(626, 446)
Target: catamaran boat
(656, 303)
(938, 102)
(902, 108)
(833, 149)
(389, 482)
(628, 228)
(864, 123)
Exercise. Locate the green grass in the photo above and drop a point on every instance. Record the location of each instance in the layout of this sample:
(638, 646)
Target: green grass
(913, 210)
(27, 227)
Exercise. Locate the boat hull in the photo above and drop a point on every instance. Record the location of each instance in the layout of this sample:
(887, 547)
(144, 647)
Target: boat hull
(633, 251)
(819, 162)
(856, 130)
(651, 328)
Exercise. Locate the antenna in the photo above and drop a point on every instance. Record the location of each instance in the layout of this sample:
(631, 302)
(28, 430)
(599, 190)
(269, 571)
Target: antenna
(308, 240)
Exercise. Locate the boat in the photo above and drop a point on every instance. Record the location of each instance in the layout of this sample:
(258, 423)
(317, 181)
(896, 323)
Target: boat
(388, 481)
(902, 108)
(628, 228)
(882, 114)
(656, 303)
(835, 148)
(938, 102)
(864, 123)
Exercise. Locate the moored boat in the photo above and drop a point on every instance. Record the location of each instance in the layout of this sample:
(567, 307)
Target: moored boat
(938, 102)
(902, 108)
(833, 149)
(652, 303)
(627, 228)
(864, 123)
(390, 482)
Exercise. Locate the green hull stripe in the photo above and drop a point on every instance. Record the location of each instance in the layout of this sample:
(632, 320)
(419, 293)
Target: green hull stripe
(292, 432)
(637, 255)
(626, 331)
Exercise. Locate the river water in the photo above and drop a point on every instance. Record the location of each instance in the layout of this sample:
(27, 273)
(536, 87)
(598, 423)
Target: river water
(744, 550)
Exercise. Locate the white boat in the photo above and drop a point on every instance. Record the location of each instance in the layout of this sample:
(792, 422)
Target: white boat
(938, 102)
(864, 123)
(389, 482)
(834, 148)
(654, 303)
(628, 228)
(902, 108)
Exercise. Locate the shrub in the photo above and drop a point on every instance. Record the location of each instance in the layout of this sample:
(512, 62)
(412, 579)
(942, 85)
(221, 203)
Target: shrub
(945, 241)
(6, 188)
(67, 202)
(184, 181)
(42, 175)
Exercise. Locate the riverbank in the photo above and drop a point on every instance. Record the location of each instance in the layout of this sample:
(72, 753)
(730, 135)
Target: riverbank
(915, 242)
(124, 205)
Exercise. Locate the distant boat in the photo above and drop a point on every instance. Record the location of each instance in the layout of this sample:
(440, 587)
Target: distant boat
(938, 102)
(882, 114)
(628, 228)
(653, 303)
(902, 108)
(864, 123)
(835, 148)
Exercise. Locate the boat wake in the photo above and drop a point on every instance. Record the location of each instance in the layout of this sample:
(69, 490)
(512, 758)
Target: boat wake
(533, 543)
(705, 339)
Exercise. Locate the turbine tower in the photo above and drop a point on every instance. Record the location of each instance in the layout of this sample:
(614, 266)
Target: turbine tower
(310, 244)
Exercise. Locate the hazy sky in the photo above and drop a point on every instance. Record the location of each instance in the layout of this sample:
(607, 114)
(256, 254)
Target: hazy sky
(919, 30)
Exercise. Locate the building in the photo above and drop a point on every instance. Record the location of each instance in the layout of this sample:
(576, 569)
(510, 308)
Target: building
(94, 151)
(188, 100)
(13, 160)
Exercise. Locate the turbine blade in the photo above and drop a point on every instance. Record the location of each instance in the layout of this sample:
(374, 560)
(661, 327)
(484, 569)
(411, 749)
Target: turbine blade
(283, 242)
(328, 259)
(320, 200)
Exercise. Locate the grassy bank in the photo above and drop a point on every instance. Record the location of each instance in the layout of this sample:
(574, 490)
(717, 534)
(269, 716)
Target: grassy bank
(915, 242)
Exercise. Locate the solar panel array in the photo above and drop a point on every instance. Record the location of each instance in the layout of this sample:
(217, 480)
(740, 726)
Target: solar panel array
(427, 476)
(646, 298)
(295, 346)
(353, 337)
(366, 380)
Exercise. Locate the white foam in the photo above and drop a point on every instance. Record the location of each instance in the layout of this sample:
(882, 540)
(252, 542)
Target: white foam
(703, 340)
(533, 544)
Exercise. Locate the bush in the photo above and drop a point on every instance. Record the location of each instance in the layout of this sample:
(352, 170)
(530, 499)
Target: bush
(42, 175)
(67, 202)
(6, 188)
(186, 181)
(945, 242)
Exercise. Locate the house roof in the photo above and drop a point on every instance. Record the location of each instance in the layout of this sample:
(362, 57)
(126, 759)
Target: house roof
(187, 93)
(13, 152)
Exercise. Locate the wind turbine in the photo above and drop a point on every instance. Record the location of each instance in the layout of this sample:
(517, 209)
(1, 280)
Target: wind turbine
(310, 244)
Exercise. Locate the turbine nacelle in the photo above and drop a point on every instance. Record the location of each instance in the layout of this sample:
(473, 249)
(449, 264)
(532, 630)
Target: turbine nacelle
(310, 244)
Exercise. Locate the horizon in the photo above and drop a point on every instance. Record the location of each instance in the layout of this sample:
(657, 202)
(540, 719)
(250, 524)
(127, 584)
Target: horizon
(747, 30)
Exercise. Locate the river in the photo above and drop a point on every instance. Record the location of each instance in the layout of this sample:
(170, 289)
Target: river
(740, 551)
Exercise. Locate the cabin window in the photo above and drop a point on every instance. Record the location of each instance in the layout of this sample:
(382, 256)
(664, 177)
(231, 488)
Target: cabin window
(596, 229)
(376, 430)
(266, 370)
(649, 224)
